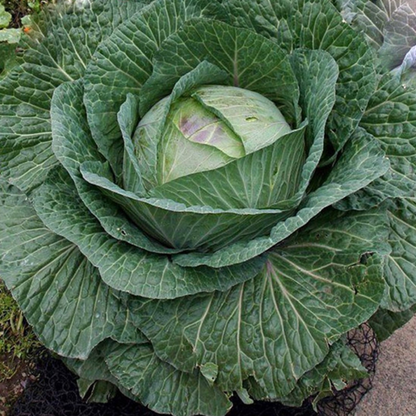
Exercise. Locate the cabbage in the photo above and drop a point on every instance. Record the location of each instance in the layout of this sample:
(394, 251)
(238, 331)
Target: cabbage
(201, 198)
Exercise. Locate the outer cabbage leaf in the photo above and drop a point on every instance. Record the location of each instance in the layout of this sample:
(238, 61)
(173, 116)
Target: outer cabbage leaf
(231, 49)
(181, 226)
(95, 383)
(73, 145)
(58, 290)
(7, 60)
(122, 266)
(26, 92)
(391, 119)
(339, 367)
(97, 391)
(112, 365)
(399, 34)
(389, 26)
(407, 69)
(94, 367)
(288, 22)
(317, 73)
(400, 268)
(385, 322)
(162, 387)
(278, 325)
(128, 118)
(367, 17)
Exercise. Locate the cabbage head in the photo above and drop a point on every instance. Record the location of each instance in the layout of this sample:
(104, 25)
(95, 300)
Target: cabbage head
(200, 198)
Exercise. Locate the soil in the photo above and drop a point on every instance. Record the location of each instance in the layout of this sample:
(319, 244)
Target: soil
(13, 386)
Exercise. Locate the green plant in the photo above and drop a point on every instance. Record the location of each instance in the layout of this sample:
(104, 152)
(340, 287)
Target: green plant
(35, 5)
(16, 338)
(9, 37)
(203, 197)
(15, 23)
(21, 8)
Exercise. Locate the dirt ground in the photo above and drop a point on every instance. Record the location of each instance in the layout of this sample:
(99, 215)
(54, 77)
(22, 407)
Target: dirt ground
(394, 391)
(11, 388)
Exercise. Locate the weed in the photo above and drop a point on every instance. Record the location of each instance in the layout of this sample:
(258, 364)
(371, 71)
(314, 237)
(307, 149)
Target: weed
(21, 8)
(17, 341)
